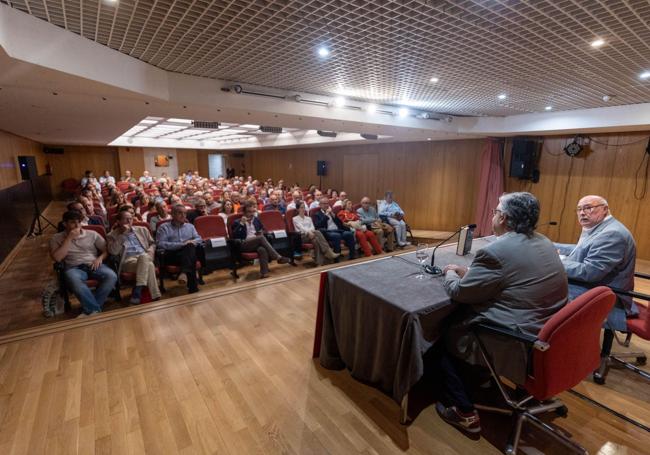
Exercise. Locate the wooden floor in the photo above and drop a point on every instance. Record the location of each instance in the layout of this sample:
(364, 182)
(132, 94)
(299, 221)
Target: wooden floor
(233, 374)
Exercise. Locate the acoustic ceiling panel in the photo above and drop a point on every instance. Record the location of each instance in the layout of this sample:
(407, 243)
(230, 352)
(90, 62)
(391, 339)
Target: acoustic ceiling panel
(538, 52)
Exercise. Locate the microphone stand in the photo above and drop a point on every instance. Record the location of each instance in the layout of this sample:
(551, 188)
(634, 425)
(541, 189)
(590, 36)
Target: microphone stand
(434, 269)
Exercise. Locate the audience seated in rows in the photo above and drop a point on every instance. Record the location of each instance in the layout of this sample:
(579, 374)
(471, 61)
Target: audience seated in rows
(368, 216)
(136, 249)
(304, 225)
(395, 216)
(82, 253)
(333, 229)
(120, 206)
(180, 243)
(106, 179)
(364, 236)
(250, 231)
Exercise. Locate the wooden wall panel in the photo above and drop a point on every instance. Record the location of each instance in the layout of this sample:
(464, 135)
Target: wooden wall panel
(131, 158)
(203, 164)
(187, 159)
(431, 180)
(606, 168)
(75, 160)
(11, 147)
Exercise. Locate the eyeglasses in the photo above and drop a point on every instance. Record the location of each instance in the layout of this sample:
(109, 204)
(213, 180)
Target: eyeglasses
(494, 211)
(588, 208)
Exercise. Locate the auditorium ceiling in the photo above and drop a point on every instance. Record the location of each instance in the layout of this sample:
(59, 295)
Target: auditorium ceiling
(538, 55)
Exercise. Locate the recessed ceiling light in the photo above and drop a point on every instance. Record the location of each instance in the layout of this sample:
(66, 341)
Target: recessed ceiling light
(428, 139)
(371, 108)
(597, 42)
(434, 80)
(180, 120)
(339, 101)
(323, 51)
(502, 96)
(548, 108)
(403, 112)
(249, 126)
(149, 122)
(645, 75)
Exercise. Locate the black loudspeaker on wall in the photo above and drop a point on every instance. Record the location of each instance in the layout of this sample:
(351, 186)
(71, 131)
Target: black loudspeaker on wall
(27, 165)
(523, 162)
(321, 168)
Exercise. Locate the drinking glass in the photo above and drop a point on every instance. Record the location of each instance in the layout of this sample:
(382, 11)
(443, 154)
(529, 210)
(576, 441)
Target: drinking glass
(421, 255)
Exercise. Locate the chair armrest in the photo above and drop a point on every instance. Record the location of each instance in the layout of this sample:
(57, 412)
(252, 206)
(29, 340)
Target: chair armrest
(518, 336)
(634, 294)
(644, 276)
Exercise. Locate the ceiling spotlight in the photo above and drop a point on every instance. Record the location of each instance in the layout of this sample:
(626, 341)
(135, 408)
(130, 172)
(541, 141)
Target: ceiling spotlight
(403, 112)
(434, 80)
(645, 75)
(428, 139)
(597, 43)
(548, 108)
(606, 98)
(371, 108)
(323, 51)
(339, 101)
(502, 96)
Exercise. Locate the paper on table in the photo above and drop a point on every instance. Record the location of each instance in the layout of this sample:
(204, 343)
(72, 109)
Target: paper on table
(217, 242)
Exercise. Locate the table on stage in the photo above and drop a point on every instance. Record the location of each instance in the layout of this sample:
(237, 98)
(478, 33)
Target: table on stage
(377, 319)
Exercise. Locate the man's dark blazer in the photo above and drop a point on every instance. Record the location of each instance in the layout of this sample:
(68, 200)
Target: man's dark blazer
(239, 229)
(320, 222)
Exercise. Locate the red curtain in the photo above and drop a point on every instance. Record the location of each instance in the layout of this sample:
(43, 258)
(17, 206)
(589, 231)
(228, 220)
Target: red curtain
(490, 186)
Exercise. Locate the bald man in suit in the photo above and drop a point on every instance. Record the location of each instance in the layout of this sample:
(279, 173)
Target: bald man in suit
(604, 255)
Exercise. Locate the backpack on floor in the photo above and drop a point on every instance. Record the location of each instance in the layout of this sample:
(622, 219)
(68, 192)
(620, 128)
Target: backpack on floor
(52, 300)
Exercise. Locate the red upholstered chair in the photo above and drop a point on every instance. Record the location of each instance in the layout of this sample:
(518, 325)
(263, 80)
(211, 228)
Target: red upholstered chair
(142, 224)
(160, 223)
(337, 209)
(215, 211)
(70, 187)
(122, 186)
(565, 352)
(97, 228)
(313, 211)
(245, 256)
(213, 227)
(356, 207)
(639, 326)
(274, 221)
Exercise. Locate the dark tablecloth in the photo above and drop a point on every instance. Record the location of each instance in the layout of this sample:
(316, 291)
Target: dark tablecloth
(379, 319)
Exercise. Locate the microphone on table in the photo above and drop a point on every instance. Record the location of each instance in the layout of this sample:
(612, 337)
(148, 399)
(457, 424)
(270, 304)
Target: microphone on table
(433, 269)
